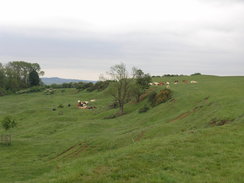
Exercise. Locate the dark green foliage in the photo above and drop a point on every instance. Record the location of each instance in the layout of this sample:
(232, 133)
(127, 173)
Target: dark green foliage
(19, 75)
(68, 85)
(114, 105)
(101, 85)
(34, 79)
(145, 108)
(163, 96)
(60, 106)
(8, 123)
(157, 98)
(195, 74)
(91, 88)
(152, 97)
(142, 79)
(2, 92)
(31, 90)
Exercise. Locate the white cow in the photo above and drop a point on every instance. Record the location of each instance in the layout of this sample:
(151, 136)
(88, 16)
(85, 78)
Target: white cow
(194, 82)
(156, 83)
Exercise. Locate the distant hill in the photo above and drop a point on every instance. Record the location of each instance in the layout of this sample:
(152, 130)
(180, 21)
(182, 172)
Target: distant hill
(57, 80)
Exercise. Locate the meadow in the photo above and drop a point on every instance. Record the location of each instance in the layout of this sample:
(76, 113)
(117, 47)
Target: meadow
(198, 136)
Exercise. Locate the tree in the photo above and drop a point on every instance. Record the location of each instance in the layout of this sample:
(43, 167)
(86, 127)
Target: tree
(15, 75)
(34, 79)
(119, 89)
(141, 78)
(141, 83)
(2, 79)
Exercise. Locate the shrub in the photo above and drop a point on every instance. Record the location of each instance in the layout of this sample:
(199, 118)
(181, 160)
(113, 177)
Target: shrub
(152, 97)
(60, 106)
(91, 88)
(2, 92)
(8, 123)
(49, 91)
(114, 105)
(163, 96)
(145, 108)
(195, 74)
(31, 90)
(101, 85)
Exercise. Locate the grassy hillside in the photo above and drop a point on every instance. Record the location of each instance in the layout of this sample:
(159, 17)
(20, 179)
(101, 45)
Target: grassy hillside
(197, 137)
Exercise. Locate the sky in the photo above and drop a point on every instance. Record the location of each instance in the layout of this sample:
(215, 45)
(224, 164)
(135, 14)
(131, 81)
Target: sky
(81, 39)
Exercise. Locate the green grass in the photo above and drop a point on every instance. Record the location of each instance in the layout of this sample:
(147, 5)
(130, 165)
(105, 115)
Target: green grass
(174, 142)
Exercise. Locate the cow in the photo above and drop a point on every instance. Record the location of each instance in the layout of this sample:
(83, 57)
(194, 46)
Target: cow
(185, 81)
(161, 83)
(156, 83)
(194, 82)
(176, 82)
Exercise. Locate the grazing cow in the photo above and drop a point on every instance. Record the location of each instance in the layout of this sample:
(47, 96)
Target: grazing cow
(150, 84)
(156, 83)
(93, 100)
(161, 83)
(167, 86)
(194, 82)
(167, 83)
(185, 81)
(176, 82)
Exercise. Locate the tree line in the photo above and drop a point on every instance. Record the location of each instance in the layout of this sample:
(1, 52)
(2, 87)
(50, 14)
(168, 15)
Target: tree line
(17, 75)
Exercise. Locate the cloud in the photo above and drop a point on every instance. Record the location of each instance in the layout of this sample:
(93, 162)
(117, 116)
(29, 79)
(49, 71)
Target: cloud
(157, 36)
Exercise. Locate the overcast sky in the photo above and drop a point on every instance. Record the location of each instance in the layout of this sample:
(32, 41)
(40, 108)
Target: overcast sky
(81, 39)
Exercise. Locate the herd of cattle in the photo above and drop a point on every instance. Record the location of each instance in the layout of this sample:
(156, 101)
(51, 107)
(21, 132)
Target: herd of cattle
(84, 104)
(167, 83)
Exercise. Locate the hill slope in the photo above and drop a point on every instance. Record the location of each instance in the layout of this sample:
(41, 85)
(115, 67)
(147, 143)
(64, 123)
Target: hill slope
(197, 137)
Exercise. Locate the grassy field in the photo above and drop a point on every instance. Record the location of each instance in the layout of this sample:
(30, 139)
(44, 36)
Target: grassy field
(196, 137)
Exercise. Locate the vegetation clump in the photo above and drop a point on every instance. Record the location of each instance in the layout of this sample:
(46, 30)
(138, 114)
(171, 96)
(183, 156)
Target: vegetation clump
(196, 74)
(145, 108)
(8, 123)
(31, 90)
(157, 98)
(49, 91)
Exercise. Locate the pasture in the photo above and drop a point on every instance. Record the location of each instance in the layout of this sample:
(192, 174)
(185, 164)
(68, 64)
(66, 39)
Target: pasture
(198, 136)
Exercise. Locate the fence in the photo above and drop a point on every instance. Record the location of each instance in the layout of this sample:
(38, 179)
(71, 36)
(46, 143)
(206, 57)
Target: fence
(5, 139)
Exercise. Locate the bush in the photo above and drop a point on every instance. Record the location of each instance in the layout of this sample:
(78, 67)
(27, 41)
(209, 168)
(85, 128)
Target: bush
(2, 92)
(145, 108)
(195, 74)
(31, 90)
(8, 123)
(152, 97)
(163, 96)
(60, 106)
(114, 105)
(91, 88)
(49, 91)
